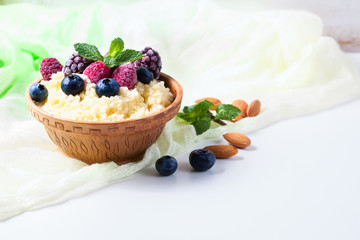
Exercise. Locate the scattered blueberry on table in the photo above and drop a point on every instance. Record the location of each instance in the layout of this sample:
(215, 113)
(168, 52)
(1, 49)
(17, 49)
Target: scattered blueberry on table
(202, 159)
(166, 165)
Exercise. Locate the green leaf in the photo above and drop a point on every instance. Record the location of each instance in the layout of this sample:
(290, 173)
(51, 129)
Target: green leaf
(200, 117)
(116, 47)
(226, 112)
(88, 51)
(188, 109)
(199, 108)
(125, 56)
(197, 115)
(188, 117)
(202, 107)
(109, 61)
(202, 125)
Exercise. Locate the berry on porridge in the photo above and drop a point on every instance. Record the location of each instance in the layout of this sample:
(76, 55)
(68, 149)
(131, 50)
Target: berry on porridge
(93, 87)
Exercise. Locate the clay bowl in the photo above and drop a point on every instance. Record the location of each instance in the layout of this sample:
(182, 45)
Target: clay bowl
(99, 142)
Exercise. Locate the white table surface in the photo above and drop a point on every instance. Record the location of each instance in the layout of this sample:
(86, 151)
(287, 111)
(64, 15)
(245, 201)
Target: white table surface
(300, 179)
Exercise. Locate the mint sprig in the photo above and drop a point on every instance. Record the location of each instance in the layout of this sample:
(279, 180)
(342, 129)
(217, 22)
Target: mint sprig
(200, 117)
(116, 55)
(116, 47)
(226, 112)
(125, 56)
(88, 51)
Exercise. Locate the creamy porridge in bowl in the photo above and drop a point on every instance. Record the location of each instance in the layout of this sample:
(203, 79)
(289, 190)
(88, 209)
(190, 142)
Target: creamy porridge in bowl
(101, 108)
(141, 101)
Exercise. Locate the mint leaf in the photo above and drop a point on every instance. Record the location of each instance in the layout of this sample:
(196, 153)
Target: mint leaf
(188, 109)
(116, 56)
(197, 115)
(109, 61)
(88, 51)
(197, 110)
(203, 106)
(226, 112)
(125, 56)
(202, 124)
(200, 117)
(188, 117)
(116, 47)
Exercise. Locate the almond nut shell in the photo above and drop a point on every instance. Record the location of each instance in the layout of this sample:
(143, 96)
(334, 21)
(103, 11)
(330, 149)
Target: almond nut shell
(222, 151)
(238, 140)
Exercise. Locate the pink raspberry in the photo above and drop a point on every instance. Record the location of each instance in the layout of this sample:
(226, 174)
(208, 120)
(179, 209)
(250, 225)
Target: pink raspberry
(125, 75)
(97, 71)
(48, 66)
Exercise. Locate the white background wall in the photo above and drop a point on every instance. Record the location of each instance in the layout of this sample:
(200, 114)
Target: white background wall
(341, 18)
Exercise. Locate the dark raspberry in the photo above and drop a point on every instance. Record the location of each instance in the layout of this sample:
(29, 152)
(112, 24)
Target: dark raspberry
(76, 64)
(151, 61)
(97, 71)
(125, 75)
(48, 66)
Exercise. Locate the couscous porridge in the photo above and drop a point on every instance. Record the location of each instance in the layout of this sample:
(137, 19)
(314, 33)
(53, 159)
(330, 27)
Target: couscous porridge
(141, 101)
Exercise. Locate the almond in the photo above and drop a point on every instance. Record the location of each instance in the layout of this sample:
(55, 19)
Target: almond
(254, 108)
(237, 139)
(214, 101)
(242, 105)
(222, 151)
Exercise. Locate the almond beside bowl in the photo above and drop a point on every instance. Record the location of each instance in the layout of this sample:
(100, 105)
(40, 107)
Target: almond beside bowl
(99, 142)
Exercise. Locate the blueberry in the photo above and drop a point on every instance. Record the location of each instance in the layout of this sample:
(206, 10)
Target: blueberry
(166, 165)
(38, 92)
(72, 84)
(202, 159)
(107, 87)
(144, 75)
